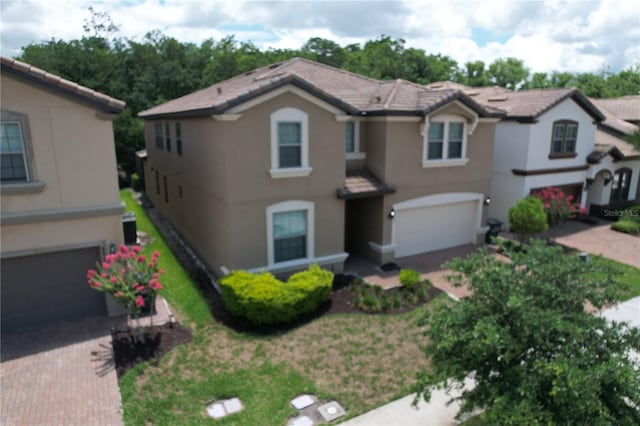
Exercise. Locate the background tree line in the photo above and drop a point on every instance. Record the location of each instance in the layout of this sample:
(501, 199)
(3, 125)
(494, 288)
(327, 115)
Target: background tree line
(159, 68)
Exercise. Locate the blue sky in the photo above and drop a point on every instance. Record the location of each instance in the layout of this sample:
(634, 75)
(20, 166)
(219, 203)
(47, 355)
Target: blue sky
(574, 36)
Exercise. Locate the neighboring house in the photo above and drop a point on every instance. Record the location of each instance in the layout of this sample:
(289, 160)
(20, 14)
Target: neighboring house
(299, 162)
(625, 108)
(614, 176)
(60, 203)
(559, 137)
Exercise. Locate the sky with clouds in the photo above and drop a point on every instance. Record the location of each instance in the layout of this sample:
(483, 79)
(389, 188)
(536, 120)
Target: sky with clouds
(574, 36)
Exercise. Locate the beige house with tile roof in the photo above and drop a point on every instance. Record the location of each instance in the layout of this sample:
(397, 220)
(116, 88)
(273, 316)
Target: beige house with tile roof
(60, 206)
(625, 108)
(299, 162)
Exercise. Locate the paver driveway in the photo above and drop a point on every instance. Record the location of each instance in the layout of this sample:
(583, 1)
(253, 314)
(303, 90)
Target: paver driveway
(599, 239)
(60, 375)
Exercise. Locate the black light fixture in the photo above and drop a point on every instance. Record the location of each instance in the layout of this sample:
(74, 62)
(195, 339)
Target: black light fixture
(392, 213)
(487, 200)
(112, 248)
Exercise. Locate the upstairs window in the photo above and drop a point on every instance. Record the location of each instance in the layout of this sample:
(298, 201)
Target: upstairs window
(351, 137)
(159, 137)
(14, 162)
(445, 142)
(179, 139)
(564, 139)
(167, 130)
(289, 143)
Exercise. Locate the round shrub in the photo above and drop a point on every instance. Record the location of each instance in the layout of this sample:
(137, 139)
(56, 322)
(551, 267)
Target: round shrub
(264, 299)
(527, 217)
(626, 226)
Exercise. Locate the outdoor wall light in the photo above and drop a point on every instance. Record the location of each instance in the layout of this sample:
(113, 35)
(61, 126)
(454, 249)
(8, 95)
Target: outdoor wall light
(112, 248)
(487, 200)
(392, 213)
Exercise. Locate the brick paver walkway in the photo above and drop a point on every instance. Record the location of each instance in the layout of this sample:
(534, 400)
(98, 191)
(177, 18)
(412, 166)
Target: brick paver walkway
(61, 375)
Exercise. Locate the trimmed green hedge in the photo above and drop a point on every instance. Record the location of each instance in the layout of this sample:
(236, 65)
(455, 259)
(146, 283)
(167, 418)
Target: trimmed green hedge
(263, 299)
(629, 222)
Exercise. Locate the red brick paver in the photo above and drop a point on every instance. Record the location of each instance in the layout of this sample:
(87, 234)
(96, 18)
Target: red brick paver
(61, 375)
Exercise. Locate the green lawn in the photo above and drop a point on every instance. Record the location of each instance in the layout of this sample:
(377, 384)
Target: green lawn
(360, 360)
(179, 290)
(626, 274)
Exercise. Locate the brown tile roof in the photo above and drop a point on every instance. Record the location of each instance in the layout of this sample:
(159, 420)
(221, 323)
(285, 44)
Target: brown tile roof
(612, 121)
(529, 104)
(361, 183)
(350, 92)
(626, 107)
(59, 84)
(606, 142)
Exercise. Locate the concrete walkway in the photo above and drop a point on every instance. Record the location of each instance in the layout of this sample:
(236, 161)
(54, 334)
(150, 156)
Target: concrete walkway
(437, 412)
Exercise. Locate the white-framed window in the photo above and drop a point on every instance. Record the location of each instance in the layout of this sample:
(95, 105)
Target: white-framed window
(14, 166)
(445, 142)
(158, 135)
(289, 143)
(352, 141)
(290, 232)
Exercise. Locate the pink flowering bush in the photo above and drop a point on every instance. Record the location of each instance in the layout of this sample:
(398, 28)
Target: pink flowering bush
(131, 278)
(558, 206)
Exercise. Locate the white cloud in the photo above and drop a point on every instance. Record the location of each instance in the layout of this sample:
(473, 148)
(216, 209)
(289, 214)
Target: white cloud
(571, 36)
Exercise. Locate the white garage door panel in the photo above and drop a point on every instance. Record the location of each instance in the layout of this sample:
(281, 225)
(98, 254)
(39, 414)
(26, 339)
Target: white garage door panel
(424, 229)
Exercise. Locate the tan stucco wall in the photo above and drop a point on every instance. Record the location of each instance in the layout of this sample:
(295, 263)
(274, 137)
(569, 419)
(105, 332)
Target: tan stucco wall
(226, 186)
(74, 156)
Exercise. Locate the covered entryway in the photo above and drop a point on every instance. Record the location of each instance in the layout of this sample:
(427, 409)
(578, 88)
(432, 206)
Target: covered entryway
(436, 222)
(45, 288)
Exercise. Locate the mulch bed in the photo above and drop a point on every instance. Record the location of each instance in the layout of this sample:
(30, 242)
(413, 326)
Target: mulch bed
(130, 347)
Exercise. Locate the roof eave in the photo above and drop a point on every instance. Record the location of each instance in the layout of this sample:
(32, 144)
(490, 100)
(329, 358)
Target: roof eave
(115, 106)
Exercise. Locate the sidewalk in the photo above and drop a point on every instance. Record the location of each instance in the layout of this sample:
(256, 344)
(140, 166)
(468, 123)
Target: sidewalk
(437, 412)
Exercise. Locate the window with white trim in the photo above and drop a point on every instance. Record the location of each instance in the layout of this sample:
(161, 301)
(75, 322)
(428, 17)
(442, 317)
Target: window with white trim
(290, 232)
(445, 141)
(12, 153)
(352, 141)
(289, 143)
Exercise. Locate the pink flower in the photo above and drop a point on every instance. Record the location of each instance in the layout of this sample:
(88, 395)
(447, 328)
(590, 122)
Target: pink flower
(132, 255)
(110, 258)
(547, 205)
(104, 275)
(162, 272)
(582, 210)
(106, 265)
(136, 249)
(155, 255)
(123, 249)
(150, 265)
(117, 294)
(91, 273)
(569, 197)
(141, 259)
(97, 284)
(113, 280)
(139, 302)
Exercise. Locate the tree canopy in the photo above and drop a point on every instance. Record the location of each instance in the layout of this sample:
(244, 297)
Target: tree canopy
(524, 337)
(158, 68)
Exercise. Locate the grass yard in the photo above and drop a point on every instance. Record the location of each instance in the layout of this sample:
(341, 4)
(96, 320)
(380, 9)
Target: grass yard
(179, 290)
(627, 275)
(360, 360)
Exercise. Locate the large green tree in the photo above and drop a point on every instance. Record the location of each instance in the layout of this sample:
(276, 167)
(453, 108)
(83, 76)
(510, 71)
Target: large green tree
(510, 73)
(524, 337)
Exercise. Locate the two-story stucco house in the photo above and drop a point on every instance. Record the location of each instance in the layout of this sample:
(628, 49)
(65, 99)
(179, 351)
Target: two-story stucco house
(60, 206)
(299, 162)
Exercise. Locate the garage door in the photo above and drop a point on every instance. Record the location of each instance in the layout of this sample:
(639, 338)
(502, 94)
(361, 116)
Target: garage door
(424, 229)
(45, 288)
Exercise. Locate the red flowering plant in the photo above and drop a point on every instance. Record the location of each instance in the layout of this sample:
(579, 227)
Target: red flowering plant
(131, 278)
(558, 206)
